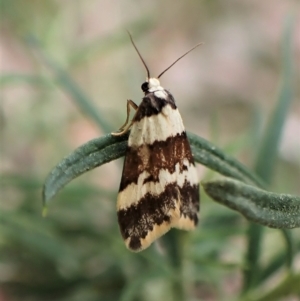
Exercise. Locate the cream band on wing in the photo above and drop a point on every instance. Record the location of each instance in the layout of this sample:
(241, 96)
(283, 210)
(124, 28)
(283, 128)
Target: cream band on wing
(134, 192)
(184, 223)
(152, 234)
(158, 127)
(177, 221)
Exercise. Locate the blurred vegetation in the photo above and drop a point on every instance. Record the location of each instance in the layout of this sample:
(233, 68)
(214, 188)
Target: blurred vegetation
(49, 47)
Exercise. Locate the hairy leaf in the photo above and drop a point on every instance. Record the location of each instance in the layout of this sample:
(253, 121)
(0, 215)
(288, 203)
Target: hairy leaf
(107, 148)
(257, 205)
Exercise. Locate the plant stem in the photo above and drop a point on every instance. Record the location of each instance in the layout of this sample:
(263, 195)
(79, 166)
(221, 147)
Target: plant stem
(173, 245)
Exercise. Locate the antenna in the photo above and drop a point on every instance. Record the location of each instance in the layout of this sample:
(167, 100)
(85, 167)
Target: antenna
(148, 72)
(179, 59)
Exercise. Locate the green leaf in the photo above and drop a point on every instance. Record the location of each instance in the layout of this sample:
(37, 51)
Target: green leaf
(132, 288)
(107, 148)
(257, 205)
(288, 287)
(32, 233)
(86, 157)
(268, 149)
(7, 79)
(284, 257)
(211, 156)
(70, 86)
(269, 146)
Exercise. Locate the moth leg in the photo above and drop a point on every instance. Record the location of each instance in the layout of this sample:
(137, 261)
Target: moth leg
(125, 127)
(134, 106)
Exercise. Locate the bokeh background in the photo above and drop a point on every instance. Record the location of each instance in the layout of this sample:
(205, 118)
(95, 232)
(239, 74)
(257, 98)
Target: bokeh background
(56, 54)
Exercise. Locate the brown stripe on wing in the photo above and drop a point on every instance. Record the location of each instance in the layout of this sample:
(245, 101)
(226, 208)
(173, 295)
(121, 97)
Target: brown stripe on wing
(138, 221)
(152, 105)
(190, 201)
(152, 158)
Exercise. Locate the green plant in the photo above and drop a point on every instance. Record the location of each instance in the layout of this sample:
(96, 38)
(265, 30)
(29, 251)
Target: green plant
(77, 253)
(244, 194)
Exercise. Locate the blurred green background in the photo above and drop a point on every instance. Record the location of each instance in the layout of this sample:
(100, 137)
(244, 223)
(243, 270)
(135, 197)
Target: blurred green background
(62, 59)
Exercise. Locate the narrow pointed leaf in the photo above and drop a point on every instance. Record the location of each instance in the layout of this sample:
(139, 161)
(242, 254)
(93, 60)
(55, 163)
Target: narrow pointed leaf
(284, 257)
(71, 87)
(211, 156)
(107, 148)
(257, 205)
(9, 79)
(288, 289)
(267, 154)
(86, 157)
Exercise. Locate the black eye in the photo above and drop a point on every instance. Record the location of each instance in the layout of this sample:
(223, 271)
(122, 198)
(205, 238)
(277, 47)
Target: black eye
(145, 87)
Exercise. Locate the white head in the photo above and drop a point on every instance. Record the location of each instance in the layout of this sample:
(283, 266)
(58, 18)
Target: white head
(151, 84)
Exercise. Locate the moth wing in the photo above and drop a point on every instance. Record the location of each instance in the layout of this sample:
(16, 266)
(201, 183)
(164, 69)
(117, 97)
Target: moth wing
(159, 185)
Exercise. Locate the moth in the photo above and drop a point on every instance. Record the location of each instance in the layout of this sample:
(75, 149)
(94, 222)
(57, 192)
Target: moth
(159, 188)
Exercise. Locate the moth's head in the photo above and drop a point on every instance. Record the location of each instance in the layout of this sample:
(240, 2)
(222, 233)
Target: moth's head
(151, 84)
